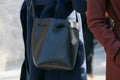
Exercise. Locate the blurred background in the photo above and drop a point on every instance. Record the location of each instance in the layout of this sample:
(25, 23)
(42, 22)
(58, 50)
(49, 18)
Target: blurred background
(12, 47)
(11, 43)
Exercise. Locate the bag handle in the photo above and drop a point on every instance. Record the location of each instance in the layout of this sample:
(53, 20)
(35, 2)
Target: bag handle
(33, 8)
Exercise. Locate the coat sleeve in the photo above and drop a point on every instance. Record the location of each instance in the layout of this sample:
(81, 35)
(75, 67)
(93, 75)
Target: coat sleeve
(23, 13)
(96, 22)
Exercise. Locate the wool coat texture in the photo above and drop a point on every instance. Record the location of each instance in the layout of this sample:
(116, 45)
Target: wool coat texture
(108, 37)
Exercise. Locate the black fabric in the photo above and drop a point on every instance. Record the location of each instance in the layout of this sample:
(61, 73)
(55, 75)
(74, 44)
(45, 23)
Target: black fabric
(23, 70)
(89, 45)
(23, 22)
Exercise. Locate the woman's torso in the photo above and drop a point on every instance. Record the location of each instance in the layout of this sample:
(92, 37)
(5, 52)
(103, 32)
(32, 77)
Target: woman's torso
(41, 2)
(78, 5)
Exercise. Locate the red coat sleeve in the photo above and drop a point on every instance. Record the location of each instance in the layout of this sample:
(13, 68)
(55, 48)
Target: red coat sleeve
(96, 22)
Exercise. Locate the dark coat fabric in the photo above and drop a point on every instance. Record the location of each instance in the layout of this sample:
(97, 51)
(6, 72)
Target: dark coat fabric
(89, 45)
(109, 38)
(45, 10)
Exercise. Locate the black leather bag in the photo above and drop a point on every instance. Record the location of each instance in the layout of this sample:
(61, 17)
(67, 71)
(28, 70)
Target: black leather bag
(54, 43)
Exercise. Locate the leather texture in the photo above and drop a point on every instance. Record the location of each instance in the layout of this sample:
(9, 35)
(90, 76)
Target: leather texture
(54, 43)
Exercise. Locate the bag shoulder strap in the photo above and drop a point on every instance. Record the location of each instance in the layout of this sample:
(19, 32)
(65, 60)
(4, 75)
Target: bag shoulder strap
(32, 6)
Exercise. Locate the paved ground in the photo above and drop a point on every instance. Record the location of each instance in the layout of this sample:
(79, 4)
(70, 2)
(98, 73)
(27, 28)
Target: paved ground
(99, 63)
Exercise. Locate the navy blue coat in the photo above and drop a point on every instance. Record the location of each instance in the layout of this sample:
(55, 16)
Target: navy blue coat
(29, 71)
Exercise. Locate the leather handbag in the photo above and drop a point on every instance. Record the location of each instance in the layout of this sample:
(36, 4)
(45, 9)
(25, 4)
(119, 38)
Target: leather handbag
(54, 43)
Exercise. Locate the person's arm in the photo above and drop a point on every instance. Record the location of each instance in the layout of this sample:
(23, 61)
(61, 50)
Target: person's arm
(23, 16)
(96, 20)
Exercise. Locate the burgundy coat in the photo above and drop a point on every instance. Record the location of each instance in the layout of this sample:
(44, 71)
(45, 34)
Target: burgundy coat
(109, 38)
